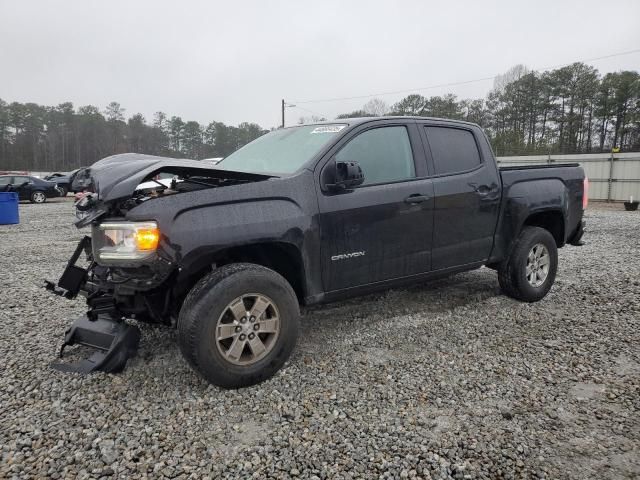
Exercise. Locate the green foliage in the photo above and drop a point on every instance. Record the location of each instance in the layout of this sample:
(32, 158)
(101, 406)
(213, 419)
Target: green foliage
(354, 114)
(567, 110)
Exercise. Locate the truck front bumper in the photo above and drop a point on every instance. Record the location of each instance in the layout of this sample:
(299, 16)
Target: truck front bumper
(103, 326)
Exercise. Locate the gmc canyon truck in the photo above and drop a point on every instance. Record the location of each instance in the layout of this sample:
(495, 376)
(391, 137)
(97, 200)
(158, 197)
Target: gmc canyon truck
(310, 214)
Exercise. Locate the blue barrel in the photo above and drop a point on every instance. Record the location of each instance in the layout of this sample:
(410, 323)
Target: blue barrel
(9, 208)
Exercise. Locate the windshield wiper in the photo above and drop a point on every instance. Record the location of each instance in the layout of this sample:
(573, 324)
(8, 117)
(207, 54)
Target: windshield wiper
(218, 181)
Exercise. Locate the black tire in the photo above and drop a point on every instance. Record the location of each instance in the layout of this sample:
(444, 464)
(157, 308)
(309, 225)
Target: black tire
(210, 298)
(512, 272)
(38, 196)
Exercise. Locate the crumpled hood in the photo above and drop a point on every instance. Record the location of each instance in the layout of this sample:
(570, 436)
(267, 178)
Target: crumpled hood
(117, 177)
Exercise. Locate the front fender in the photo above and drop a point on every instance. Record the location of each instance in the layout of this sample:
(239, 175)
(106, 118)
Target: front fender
(196, 225)
(199, 232)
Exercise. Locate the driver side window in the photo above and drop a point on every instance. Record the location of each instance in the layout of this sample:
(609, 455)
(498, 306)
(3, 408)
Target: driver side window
(384, 154)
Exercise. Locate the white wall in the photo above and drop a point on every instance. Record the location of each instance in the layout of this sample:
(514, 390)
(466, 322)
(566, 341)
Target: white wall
(611, 176)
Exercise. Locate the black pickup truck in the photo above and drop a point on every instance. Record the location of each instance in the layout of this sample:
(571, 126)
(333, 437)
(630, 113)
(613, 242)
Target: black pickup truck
(301, 216)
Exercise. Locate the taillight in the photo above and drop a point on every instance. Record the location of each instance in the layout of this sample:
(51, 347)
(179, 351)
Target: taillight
(585, 193)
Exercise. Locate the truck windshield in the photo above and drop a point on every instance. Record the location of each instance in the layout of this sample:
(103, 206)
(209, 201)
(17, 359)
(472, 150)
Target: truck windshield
(282, 151)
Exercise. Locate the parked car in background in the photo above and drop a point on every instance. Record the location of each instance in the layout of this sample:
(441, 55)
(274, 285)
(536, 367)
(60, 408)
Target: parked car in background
(29, 188)
(64, 180)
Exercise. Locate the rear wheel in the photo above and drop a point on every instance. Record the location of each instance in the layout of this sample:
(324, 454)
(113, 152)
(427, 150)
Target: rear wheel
(530, 270)
(238, 325)
(38, 197)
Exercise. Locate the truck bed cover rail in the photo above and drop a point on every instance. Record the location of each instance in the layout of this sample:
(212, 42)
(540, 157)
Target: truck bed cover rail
(531, 167)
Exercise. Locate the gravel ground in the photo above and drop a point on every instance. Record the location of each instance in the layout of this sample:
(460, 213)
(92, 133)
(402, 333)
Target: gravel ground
(445, 380)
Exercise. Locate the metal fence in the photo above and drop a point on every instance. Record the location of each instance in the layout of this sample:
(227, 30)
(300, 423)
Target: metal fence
(612, 176)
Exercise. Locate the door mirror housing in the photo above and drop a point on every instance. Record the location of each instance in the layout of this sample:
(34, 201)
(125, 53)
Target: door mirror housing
(346, 175)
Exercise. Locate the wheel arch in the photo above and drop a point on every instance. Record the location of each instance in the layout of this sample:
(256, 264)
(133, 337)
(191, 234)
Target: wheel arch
(551, 220)
(281, 257)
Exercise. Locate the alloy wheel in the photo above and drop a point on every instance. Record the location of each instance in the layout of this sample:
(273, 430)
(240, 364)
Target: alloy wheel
(538, 263)
(247, 329)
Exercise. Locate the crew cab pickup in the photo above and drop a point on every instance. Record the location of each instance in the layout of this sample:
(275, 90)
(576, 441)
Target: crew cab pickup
(310, 214)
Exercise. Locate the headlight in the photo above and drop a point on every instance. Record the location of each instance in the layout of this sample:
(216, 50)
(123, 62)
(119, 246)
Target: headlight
(116, 241)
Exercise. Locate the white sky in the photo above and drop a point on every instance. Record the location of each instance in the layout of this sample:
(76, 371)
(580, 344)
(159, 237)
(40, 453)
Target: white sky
(233, 61)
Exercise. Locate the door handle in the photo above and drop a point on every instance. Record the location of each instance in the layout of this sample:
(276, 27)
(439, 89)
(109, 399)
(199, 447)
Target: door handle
(483, 189)
(480, 189)
(416, 198)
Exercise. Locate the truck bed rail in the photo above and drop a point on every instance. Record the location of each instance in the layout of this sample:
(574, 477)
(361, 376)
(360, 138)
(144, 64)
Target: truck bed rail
(531, 167)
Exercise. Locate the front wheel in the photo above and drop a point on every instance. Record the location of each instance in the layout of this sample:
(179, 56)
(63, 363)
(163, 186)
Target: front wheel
(530, 270)
(38, 197)
(238, 325)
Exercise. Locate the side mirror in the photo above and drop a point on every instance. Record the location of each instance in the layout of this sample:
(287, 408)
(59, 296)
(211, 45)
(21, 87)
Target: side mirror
(347, 175)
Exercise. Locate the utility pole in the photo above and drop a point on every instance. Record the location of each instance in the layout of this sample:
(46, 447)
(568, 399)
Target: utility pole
(285, 105)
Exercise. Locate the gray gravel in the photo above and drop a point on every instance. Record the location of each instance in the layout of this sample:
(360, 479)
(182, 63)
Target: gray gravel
(446, 380)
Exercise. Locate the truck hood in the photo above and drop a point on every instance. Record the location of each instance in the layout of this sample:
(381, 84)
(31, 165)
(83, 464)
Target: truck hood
(118, 176)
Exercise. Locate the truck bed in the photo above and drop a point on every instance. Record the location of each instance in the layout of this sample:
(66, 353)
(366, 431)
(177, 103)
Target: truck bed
(549, 187)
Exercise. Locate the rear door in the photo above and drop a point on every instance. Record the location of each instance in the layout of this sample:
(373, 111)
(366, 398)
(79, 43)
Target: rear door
(382, 229)
(467, 194)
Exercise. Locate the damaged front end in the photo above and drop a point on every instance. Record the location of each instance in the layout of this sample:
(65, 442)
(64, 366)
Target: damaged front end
(102, 327)
(130, 265)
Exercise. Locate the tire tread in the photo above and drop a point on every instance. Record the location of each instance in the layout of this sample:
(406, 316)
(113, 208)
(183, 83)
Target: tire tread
(508, 274)
(189, 324)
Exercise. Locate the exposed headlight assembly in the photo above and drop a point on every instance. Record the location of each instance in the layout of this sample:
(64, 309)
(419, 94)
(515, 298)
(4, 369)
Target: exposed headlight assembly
(114, 242)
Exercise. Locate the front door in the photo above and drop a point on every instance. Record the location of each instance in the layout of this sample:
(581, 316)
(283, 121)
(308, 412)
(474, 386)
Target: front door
(381, 229)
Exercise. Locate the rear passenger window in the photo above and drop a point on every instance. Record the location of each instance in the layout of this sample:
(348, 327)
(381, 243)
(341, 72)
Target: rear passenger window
(384, 154)
(453, 149)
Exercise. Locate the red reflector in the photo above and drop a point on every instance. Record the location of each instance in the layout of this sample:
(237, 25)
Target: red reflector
(585, 193)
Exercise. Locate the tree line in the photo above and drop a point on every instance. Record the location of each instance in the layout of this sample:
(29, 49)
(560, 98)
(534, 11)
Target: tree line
(572, 109)
(61, 138)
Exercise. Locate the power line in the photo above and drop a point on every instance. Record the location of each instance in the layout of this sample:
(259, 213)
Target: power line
(453, 84)
(310, 111)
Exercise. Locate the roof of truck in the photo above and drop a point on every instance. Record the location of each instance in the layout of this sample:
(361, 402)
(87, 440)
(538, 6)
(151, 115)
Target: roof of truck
(359, 120)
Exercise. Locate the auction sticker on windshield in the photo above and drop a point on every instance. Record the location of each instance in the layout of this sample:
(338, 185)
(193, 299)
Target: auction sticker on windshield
(328, 129)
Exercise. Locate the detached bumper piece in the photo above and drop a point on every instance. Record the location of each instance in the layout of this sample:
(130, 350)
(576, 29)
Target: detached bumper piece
(102, 328)
(73, 278)
(114, 340)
